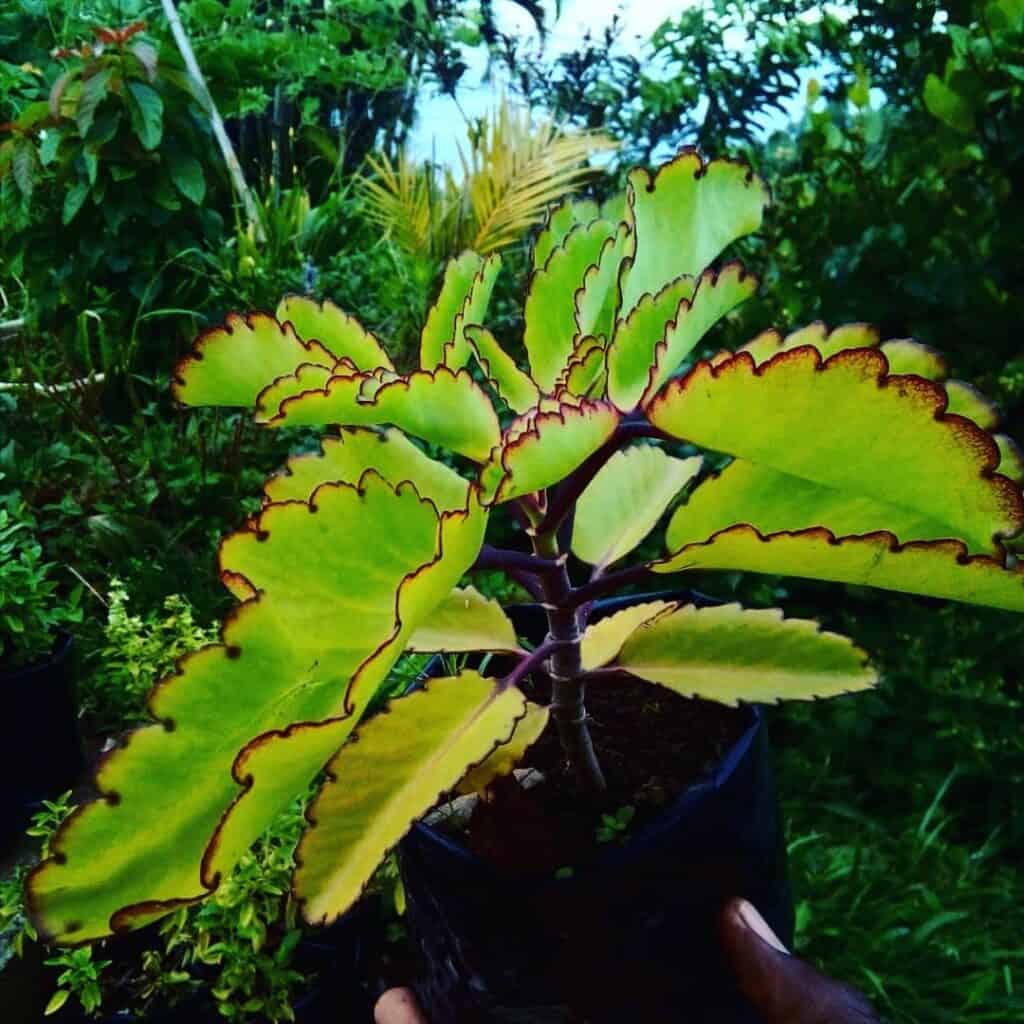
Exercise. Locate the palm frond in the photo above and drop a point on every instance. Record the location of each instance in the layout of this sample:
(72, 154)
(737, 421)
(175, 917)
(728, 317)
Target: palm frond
(515, 169)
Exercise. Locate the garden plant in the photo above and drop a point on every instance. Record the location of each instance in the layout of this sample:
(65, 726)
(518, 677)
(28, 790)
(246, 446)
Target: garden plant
(827, 455)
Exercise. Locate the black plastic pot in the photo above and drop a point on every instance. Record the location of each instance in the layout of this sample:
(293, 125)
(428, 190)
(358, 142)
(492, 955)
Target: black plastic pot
(40, 751)
(630, 937)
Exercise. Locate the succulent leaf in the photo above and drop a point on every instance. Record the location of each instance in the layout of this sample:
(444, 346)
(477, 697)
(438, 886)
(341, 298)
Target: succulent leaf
(625, 500)
(550, 312)
(583, 372)
(358, 449)
(464, 298)
(845, 424)
(966, 400)
(231, 364)
(642, 356)
(596, 300)
(380, 784)
(683, 216)
(770, 343)
(545, 448)
(439, 406)
(560, 220)
(515, 386)
(1011, 458)
(504, 758)
(602, 640)
(248, 722)
(728, 654)
(908, 356)
(772, 502)
(466, 621)
(335, 329)
(939, 568)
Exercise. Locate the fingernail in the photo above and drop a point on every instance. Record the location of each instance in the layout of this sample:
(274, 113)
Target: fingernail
(750, 917)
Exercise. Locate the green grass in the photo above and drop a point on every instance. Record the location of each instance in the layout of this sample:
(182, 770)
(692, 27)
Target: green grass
(900, 816)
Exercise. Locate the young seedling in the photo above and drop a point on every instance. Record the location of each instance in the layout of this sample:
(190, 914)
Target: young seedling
(851, 461)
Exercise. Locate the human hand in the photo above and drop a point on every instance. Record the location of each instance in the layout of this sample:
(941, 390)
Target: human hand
(782, 988)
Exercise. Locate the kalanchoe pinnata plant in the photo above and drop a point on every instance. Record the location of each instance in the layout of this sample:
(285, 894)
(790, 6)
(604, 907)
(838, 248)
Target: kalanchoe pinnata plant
(852, 461)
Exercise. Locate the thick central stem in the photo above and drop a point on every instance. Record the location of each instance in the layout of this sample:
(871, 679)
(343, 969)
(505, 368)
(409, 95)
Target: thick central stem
(568, 706)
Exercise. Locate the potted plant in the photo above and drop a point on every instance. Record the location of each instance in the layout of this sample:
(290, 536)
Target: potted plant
(851, 461)
(38, 737)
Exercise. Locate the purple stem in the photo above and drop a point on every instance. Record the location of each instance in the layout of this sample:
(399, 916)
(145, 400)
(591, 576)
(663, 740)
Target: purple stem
(501, 558)
(530, 662)
(607, 585)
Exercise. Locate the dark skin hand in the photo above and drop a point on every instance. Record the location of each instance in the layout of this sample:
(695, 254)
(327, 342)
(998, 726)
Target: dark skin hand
(784, 990)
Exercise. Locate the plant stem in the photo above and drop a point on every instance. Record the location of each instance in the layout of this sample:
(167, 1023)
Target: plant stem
(565, 668)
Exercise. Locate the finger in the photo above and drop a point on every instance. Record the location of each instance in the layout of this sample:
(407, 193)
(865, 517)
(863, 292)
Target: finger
(398, 1006)
(784, 989)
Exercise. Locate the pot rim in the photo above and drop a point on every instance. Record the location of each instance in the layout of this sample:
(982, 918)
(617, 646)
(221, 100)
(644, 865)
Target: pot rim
(62, 645)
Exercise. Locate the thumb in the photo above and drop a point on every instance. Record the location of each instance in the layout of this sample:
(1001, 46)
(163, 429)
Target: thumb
(784, 989)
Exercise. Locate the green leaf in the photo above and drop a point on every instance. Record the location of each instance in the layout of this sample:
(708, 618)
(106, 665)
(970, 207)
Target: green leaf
(769, 344)
(550, 312)
(402, 762)
(73, 200)
(57, 1000)
(845, 424)
(48, 146)
(966, 400)
(230, 365)
(948, 106)
(249, 722)
(514, 385)
(1011, 458)
(560, 220)
(187, 174)
(439, 406)
(683, 216)
(602, 640)
(908, 356)
(94, 90)
(466, 621)
(645, 353)
(340, 333)
(584, 373)
(503, 760)
(465, 295)
(622, 504)
(930, 568)
(773, 502)
(596, 300)
(544, 446)
(357, 450)
(728, 654)
(25, 167)
(146, 110)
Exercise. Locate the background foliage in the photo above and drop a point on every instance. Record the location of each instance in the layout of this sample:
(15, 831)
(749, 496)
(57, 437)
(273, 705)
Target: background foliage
(893, 137)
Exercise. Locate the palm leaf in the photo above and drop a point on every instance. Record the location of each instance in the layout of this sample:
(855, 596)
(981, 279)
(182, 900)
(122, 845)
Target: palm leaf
(515, 169)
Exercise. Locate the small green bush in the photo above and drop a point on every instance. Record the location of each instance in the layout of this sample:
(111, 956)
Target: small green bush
(136, 652)
(31, 611)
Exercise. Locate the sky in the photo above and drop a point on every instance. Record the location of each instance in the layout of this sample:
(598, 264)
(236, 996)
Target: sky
(441, 128)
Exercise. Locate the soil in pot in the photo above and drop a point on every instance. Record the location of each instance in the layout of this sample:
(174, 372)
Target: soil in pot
(652, 744)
